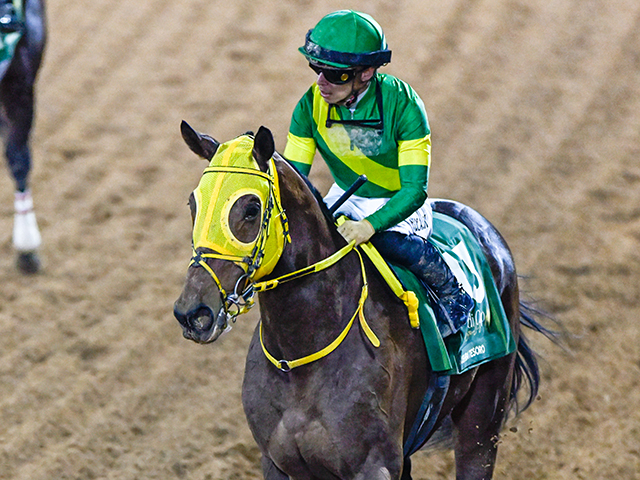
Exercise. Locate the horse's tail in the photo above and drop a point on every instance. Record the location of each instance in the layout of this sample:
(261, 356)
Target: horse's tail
(527, 371)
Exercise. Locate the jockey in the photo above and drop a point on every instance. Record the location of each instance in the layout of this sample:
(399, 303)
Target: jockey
(9, 21)
(365, 122)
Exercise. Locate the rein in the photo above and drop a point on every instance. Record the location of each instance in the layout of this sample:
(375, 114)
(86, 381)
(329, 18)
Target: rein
(261, 260)
(247, 302)
(316, 267)
(288, 365)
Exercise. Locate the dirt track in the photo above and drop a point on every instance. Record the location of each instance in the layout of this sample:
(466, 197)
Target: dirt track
(535, 111)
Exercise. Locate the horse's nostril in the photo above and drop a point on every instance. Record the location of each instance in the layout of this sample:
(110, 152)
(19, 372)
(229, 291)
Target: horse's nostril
(202, 322)
(198, 323)
(199, 319)
(203, 319)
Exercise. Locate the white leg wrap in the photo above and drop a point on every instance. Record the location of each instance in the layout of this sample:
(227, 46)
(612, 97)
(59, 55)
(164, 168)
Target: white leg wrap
(26, 236)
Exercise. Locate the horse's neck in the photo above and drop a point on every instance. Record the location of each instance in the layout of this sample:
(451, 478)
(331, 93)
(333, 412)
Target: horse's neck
(313, 238)
(318, 303)
(305, 315)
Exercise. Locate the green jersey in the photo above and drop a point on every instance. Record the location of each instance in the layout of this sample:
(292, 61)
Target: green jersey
(386, 137)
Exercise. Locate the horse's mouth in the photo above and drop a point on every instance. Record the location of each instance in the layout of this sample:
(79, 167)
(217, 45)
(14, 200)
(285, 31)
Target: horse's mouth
(200, 325)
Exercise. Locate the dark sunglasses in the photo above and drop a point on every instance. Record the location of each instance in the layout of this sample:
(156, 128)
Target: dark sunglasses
(337, 76)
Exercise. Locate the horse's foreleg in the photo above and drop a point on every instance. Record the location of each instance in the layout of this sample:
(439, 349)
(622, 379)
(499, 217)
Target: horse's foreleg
(384, 462)
(479, 418)
(17, 96)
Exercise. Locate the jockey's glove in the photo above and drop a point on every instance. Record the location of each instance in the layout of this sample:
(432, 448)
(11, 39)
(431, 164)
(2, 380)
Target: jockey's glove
(360, 231)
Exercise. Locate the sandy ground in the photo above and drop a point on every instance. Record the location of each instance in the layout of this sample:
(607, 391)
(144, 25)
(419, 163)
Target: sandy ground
(535, 112)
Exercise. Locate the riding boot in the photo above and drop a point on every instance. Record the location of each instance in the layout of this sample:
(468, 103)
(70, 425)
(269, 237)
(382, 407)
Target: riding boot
(9, 21)
(451, 302)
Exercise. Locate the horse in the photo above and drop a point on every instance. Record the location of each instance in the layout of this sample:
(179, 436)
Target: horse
(18, 72)
(345, 411)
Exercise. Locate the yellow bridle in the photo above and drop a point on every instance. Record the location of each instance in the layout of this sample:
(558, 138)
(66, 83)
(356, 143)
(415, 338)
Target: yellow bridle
(215, 196)
(259, 257)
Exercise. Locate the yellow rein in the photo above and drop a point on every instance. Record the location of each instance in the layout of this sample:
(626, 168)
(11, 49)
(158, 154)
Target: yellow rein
(288, 365)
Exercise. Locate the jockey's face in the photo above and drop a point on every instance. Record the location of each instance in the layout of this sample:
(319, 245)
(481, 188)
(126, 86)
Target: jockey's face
(339, 94)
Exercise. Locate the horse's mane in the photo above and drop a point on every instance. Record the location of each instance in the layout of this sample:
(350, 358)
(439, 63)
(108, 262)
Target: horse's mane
(331, 221)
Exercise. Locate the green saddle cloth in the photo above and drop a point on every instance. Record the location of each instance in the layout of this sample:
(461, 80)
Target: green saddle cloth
(487, 334)
(8, 41)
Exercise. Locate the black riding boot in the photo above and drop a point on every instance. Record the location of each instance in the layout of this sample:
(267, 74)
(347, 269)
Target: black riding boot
(9, 21)
(424, 260)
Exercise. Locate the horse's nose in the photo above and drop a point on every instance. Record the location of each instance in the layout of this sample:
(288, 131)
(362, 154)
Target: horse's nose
(181, 317)
(199, 319)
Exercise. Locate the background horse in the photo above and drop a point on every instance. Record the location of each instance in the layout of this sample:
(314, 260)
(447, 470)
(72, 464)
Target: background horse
(348, 414)
(17, 79)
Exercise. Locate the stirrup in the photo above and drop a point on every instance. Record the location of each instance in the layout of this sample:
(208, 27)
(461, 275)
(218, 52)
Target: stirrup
(453, 311)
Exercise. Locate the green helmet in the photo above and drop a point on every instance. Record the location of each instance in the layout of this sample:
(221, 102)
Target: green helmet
(346, 39)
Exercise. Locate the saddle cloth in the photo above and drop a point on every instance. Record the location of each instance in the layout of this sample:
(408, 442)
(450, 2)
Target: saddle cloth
(8, 42)
(487, 334)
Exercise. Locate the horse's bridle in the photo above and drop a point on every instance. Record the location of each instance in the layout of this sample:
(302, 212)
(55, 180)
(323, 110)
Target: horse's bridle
(288, 365)
(241, 300)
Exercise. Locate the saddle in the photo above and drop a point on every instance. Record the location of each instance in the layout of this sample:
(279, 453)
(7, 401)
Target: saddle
(487, 334)
(8, 42)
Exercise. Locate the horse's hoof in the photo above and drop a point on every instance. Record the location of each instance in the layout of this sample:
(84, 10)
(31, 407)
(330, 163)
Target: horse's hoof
(28, 262)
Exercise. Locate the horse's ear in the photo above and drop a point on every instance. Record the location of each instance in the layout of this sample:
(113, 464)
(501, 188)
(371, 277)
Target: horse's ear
(200, 144)
(263, 148)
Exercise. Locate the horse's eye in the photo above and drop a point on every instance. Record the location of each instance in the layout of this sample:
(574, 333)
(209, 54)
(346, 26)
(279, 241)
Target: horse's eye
(244, 218)
(252, 211)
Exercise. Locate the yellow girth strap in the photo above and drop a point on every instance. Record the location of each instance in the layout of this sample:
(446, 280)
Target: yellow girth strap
(288, 365)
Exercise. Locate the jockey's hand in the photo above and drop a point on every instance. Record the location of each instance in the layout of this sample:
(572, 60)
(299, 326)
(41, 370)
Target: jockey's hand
(360, 231)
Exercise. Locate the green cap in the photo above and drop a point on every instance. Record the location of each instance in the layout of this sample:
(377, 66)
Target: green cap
(346, 38)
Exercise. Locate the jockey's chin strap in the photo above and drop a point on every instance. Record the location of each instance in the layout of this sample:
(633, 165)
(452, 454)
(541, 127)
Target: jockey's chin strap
(288, 365)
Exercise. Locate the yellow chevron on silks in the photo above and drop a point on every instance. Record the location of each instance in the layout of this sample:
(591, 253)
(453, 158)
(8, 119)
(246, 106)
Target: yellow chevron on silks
(339, 142)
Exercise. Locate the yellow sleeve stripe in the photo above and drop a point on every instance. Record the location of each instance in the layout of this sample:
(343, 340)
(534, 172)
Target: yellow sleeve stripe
(299, 149)
(414, 152)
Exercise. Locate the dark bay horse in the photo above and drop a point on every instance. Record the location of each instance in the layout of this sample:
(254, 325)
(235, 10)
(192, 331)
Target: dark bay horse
(17, 80)
(345, 407)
